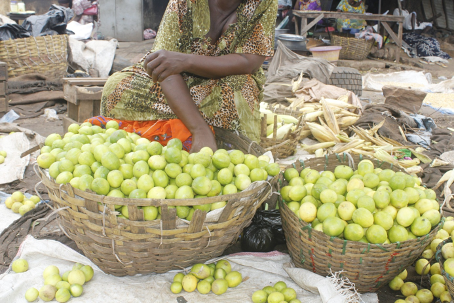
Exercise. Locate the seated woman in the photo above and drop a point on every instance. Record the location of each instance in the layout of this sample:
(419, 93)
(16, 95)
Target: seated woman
(308, 5)
(415, 42)
(204, 70)
(351, 6)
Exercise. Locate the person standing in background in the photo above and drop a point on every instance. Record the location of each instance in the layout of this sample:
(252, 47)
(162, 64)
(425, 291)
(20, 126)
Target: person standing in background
(79, 6)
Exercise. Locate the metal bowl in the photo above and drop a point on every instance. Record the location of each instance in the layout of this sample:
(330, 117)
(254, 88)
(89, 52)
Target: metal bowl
(293, 42)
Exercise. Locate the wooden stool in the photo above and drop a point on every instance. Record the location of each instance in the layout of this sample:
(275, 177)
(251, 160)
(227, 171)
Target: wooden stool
(84, 99)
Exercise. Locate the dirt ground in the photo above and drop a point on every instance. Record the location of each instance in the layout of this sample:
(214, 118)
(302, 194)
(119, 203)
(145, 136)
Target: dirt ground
(132, 52)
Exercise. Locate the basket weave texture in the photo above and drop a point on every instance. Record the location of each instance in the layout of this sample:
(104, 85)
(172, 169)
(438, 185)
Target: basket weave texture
(352, 48)
(368, 266)
(439, 257)
(128, 247)
(281, 148)
(45, 55)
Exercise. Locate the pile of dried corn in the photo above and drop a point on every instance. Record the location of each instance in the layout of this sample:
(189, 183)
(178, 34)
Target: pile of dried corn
(330, 121)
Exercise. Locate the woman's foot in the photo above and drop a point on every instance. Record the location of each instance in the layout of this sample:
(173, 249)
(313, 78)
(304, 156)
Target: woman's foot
(202, 139)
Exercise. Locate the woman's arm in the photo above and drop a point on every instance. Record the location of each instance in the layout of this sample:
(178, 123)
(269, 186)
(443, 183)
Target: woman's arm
(179, 99)
(162, 64)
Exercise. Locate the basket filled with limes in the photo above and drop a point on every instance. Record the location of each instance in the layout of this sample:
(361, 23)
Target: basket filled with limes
(363, 217)
(135, 207)
(445, 257)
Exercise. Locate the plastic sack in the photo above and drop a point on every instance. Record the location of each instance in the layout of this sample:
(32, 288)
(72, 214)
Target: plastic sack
(264, 233)
(81, 31)
(53, 22)
(12, 31)
(51, 115)
(9, 117)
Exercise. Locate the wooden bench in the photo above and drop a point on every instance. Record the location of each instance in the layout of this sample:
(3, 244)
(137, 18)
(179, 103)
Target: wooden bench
(84, 98)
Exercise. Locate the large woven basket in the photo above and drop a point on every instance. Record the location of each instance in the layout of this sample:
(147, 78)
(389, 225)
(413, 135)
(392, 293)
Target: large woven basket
(352, 48)
(45, 55)
(448, 278)
(128, 247)
(368, 266)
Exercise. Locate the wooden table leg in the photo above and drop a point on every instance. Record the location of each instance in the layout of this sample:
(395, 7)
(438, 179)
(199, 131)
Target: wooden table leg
(303, 25)
(297, 30)
(399, 37)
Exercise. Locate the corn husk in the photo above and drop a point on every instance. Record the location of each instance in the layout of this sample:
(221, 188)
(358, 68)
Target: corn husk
(345, 147)
(424, 159)
(437, 162)
(444, 179)
(322, 133)
(312, 148)
(304, 134)
(366, 136)
(287, 119)
(341, 104)
(312, 117)
(319, 153)
(296, 84)
(362, 152)
(282, 131)
(414, 170)
(384, 156)
(269, 129)
(409, 163)
(329, 117)
(346, 121)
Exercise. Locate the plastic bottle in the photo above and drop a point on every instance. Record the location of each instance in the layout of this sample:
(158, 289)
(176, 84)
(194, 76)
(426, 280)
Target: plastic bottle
(21, 7)
(14, 8)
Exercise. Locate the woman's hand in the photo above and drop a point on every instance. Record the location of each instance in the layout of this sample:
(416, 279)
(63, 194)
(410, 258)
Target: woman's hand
(162, 64)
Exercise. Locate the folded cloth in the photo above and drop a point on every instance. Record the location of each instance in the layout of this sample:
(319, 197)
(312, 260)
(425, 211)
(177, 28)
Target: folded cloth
(369, 34)
(161, 131)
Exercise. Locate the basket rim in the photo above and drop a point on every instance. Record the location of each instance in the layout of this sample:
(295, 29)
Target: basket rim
(168, 202)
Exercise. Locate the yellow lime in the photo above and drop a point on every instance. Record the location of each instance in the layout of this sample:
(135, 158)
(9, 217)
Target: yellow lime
(353, 232)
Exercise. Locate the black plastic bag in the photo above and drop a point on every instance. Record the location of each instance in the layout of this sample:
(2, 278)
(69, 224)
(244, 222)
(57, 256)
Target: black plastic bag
(264, 233)
(53, 22)
(12, 31)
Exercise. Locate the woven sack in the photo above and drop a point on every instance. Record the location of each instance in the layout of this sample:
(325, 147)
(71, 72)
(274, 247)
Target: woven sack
(368, 266)
(46, 55)
(128, 247)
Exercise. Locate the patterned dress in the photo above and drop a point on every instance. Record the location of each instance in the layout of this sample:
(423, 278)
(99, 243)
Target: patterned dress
(231, 102)
(351, 23)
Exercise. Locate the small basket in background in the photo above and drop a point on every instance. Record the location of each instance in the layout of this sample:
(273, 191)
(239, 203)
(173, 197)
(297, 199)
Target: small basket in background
(352, 47)
(280, 147)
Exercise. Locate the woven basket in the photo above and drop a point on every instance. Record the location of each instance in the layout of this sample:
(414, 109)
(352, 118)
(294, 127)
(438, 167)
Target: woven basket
(281, 148)
(448, 278)
(128, 247)
(368, 266)
(45, 55)
(352, 48)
